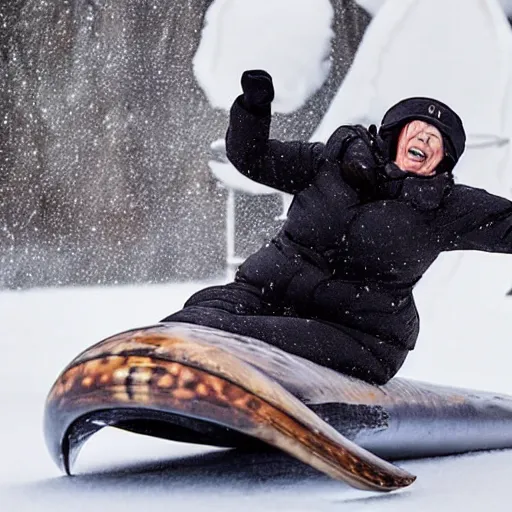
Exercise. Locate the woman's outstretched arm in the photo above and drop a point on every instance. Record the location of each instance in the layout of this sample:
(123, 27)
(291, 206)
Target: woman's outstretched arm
(480, 221)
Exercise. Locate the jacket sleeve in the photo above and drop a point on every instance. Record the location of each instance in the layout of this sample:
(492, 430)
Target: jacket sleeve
(483, 222)
(285, 166)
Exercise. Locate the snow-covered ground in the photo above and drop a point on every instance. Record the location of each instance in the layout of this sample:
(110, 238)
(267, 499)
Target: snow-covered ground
(465, 341)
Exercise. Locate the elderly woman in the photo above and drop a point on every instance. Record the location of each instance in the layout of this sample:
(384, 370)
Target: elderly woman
(371, 212)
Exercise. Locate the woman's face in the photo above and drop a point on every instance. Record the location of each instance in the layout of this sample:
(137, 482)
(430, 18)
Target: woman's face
(420, 148)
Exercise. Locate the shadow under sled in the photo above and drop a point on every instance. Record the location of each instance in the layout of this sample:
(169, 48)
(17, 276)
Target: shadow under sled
(197, 384)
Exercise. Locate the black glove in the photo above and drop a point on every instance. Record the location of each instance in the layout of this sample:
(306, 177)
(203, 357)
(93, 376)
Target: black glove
(362, 162)
(378, 146)
(258, 89)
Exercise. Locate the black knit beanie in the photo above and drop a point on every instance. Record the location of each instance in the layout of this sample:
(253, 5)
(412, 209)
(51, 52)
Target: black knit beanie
(433, 112)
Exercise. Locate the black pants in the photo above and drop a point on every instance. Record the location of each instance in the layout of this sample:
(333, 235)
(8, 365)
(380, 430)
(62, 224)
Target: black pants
(238, 308)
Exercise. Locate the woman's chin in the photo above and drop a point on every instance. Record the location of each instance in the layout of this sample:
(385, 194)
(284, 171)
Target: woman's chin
(423, 168)
(415, 170)
(415, 167)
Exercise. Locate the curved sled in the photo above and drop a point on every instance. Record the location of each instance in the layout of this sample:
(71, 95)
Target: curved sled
(191, 383)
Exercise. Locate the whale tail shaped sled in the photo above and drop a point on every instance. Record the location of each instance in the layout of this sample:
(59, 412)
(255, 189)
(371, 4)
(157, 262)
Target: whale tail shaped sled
(196, 384)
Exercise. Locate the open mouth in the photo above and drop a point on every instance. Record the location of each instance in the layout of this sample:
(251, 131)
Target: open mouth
(416, 154)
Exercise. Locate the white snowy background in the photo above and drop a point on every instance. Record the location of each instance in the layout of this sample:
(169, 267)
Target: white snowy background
(466, 318)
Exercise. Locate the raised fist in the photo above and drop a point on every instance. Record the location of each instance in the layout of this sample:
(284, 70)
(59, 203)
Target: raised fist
(258, 88)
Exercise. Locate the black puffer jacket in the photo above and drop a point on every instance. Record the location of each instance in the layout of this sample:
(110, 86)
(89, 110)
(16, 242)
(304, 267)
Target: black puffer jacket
(357, 239)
